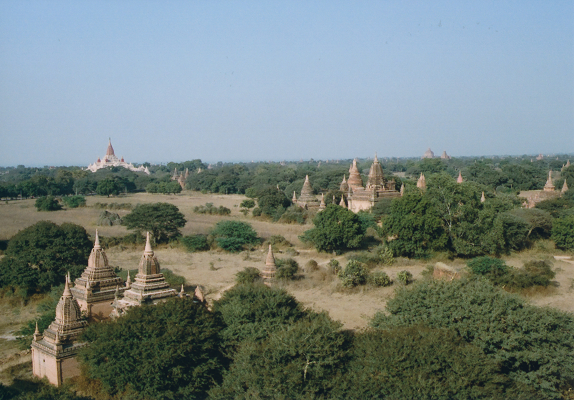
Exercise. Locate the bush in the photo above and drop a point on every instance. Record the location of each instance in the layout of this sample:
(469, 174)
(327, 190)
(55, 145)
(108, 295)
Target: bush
(256, 212)
(211, 210)
(405, 277)
(74, 201)
(233, 235)
(248, 203)
(107, 218)
(334, 266)
(172, 278)
(47, 203)
(355, 273)
(379, 278)
(294, 215)
(311, 266)
(379, 255)
(278, 240)
(247, 275)
(286, 268)
(532, 345)
(195, 243)
(563, 232)
(533, 273)
(487, 266)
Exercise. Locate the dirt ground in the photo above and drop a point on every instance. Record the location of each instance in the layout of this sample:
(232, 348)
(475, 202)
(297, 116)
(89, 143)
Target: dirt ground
(215, 270)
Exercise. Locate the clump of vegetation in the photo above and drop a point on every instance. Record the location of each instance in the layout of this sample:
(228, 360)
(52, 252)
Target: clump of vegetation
(194, 243)
(286, 268)
(380, 255)
(563, 232)
(163, 220)
(278, 241)
(311, 266)
(247, 203)
(533, 273)
(380, 279)
(294, 215)
(114, 206)
(405, 277)
(172, 278)
(232, 236)
(334, 266)
(74, 201)
(354, 274)
(208, 208)
(247, 275)
(107, 218)
(130, 239)
(47, 203)
(172, 187)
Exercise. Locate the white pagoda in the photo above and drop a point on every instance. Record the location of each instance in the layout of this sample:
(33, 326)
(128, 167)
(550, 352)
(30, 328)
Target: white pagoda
(110, 160)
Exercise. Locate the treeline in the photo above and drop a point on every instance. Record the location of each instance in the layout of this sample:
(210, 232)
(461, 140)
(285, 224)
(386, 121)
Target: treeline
(259, 342)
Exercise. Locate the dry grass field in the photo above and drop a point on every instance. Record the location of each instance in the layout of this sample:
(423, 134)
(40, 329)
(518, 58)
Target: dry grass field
(215, 270)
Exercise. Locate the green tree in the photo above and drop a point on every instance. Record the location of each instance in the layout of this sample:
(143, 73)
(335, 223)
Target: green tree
(47, 203)
(532, 345)
(39, 256)
(74, 201)
(233, 235)
(270, 199)
(302, 360)
(563, 232)
(354, 274)
(108, 186)
(163, 220)
(175, 345)
(336, 229)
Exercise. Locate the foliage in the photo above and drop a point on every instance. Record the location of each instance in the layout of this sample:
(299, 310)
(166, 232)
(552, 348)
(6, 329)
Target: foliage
(532, 345)
(540, 221)
(302, 360)
(380, 255)
(47, 310)
(109, 186)
(563, 232)
(211, 210)
(252, 312)
(311, 266)
(434, 364)
(233, 235)
(379, 278)
(114, 206)
(381, 208)
(47, 203)
(533, 273)
(195, 243)
(74, 201)
(354, 274)
(39, 256)
(172, 278)
(336, 229)
(247, 275)
(164, 187)
(294, 215)
(286, 268)
(279, 240)
(405, 277)
(487, 266)
(107, 218)
(177, 348)
(270, 199)
(557, 206)
(334, 266)
(247, 203)
(163, 220)
(43, 391)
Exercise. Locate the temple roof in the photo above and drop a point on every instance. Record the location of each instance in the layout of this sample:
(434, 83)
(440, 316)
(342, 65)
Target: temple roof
(459, 179)
(110, 151)
(421, 183)
(268, 272)
(428, 154)
(68, 322)
(344, 186)
(376, 179)
(355, 179)
(549, 186)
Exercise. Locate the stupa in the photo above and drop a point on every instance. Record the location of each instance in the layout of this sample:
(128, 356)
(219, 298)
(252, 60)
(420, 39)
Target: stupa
(322, 206)
(268, 273)
(422, 183)
(110, 160)
(549, 187)
(148, 287)
(355, 179)
(54, 352)
(344, 187)
(94, 289)
(445, 156)
(564, 187)
(307, 199)
(428, 154)
(459, 179)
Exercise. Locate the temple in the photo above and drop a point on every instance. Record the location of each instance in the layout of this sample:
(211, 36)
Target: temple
(181, 177)
(428, 154)
(532, 197)
(377, 188)
(268, 272)
(307, 199)
(110, 160)
(149, 287)
(95, 289)
(54, 352)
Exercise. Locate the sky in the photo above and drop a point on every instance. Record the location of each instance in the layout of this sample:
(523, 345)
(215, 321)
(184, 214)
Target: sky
(283, 80)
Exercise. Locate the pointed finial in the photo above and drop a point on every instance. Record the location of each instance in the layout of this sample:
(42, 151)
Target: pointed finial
(482, 198)
(402, 189)
(148, 249)
(182, 292)
(376, 159)
(564, 187)
(459, 179)
(270, 260)
(97, 241)
(37, 331)
(67, 292)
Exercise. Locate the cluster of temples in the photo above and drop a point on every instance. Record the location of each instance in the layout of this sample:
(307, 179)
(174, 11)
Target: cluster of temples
(110, 160)
(356, 196)
(98, 294)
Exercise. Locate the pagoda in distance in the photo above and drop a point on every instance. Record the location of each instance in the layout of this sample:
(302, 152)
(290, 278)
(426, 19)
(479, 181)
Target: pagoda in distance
(110, 160)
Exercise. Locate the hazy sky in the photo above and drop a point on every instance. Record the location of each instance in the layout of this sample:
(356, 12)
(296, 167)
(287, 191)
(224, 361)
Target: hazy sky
(274, 80)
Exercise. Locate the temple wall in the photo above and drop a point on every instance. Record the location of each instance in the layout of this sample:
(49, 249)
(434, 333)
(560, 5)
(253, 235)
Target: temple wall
(46, 365)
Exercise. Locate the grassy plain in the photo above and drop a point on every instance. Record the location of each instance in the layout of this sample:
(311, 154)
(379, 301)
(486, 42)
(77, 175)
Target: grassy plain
(215, 270)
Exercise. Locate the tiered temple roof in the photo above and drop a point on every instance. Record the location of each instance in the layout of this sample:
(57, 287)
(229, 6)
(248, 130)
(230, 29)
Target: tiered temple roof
(549, 186)
(355, 179)
(445, 156)
(268, 273)
(98, 282)
(307, 198)
(428, 154)
(376, 179)
(422, 183)
(459, 179)
(344, 186)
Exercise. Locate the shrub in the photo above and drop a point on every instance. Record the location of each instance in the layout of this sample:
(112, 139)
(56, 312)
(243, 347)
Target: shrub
(233, 235)
(405, 277)
(211, 210)
(256, 212)
(107, 218)
(379, 278)
(487, 265)
(311, 266)
(47, 203)
(195, 243)
(379, 255)
(278, 240)
(533, 273)
(294, 215)
(247, 275)
(172, 278)
(563, 232)
(248, 203)
(163, 220)
(334, 266)
(286, 268)
(74, 201)
(355, 273)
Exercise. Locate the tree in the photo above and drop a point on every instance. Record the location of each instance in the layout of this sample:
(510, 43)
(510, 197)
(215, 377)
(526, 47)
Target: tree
(39, 256)
(336, 229)
(74, 201)
(176, 345)
(163, 220)
(233, 235)
(302, 360)
(48, 203)
(532, 345)
(108, 186)
(270, 199)
(563, 232)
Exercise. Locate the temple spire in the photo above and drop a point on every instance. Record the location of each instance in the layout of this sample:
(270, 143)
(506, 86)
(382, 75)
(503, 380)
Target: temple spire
(564, 187)
(67, 292)
(482, 198)
(97, 242)
(148, 249)
(459, 179)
